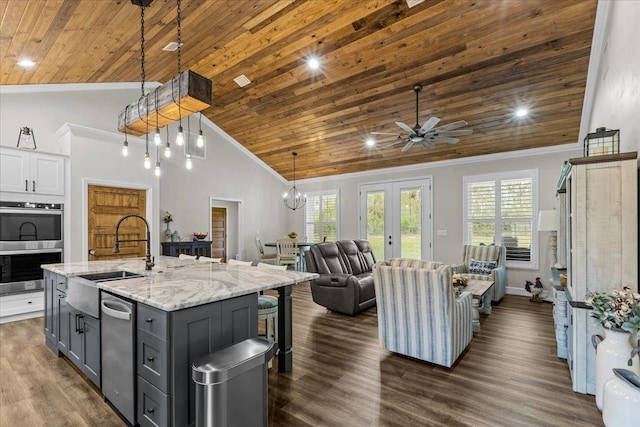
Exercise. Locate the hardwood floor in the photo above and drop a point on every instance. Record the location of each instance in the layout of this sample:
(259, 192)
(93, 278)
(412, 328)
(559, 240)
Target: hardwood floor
(508, 376)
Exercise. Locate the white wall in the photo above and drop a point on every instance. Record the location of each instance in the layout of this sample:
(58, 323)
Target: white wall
(616, 102)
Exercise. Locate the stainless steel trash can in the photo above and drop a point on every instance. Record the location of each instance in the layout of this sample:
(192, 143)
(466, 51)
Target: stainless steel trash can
(231, 385)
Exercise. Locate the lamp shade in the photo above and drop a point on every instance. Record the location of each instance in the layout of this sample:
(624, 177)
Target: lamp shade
(548, 220)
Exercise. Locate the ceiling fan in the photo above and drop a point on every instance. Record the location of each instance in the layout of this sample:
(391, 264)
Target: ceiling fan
(428, 134)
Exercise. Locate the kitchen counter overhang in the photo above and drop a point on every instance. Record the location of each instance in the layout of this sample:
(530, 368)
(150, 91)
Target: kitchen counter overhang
(175, 284)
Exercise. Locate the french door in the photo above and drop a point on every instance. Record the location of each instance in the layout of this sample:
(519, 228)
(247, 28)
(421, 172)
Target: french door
(395, 217)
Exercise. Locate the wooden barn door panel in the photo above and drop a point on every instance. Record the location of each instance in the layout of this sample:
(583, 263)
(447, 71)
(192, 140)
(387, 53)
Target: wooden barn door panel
(106, 206)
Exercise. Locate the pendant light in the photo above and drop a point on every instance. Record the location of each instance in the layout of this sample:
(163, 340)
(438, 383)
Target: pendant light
(157, 169)
(294, 199)
(125, 145)
(167, 147)
(200, 140)
(188, 162)
(156, 138)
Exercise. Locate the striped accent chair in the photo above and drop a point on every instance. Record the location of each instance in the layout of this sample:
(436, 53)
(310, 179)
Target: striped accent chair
(497, 254)
(414, 263)
(419, 314)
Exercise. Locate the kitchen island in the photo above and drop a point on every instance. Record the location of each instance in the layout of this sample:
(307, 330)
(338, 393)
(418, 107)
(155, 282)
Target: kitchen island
(185, 309)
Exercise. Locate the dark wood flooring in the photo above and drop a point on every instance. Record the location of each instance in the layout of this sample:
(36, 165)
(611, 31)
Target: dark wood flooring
(508, 376)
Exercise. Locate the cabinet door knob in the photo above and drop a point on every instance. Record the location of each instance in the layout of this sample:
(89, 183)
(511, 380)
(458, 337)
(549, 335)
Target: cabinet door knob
(151, 410)
(149, 320)
(151, 358)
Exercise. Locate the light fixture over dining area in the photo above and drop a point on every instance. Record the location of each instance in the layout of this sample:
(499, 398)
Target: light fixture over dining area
(185, 94)
(294, 199)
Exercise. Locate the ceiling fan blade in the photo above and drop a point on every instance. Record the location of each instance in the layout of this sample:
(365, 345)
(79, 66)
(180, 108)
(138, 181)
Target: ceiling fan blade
(406, 128)
(429, 124)
(391, 144)
(384, 133)
(444, 139)
(408, 146)
(451, 132)
(427, 143)
(451, 126)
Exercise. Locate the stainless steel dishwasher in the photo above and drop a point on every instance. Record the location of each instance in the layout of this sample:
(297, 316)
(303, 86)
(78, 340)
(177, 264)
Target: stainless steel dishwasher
(118, 354)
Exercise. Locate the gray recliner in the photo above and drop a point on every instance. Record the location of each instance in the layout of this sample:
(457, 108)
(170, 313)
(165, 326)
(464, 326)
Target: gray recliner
(345, 284)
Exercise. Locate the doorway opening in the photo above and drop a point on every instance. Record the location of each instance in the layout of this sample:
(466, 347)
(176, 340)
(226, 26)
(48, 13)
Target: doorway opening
(225, 228)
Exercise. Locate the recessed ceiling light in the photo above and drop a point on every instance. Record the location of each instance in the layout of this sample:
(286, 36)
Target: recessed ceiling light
(313, 63)
(521, 112)
(26, 63)
(370, 142)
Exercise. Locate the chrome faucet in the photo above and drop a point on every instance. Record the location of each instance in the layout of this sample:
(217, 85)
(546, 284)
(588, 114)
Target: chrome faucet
(116, 246)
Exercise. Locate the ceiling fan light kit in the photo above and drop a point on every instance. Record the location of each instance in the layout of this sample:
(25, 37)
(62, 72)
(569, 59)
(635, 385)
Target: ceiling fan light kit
(427, 134)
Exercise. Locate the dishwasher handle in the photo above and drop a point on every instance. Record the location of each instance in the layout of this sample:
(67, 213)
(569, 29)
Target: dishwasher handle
(116, 309)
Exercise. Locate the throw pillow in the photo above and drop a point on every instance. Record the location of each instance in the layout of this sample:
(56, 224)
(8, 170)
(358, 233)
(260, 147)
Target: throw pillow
(481, 267)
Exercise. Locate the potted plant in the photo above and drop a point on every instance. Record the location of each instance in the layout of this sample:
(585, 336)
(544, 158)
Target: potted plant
(619, 314)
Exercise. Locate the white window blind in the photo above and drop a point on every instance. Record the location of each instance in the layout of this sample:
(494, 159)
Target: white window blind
(321, 216)
(500, 209)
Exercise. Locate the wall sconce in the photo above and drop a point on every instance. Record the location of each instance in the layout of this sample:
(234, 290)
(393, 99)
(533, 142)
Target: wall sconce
(26, 138)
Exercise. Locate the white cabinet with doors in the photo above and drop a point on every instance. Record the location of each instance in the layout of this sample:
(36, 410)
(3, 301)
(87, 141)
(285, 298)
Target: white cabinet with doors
(31, 172)
(601, 238)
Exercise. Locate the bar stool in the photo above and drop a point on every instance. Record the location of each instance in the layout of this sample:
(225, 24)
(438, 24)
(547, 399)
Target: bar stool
(268, 312)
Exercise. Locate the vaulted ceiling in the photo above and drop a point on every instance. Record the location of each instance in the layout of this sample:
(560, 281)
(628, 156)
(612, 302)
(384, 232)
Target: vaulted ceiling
(478, 61)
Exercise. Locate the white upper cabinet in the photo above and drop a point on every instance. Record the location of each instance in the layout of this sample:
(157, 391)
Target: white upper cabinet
(31, 172)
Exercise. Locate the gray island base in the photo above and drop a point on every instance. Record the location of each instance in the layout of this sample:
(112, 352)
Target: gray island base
(185, 310)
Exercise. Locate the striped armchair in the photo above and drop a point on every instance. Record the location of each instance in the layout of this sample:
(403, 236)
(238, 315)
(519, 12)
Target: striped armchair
(419, 314)
(498, 254)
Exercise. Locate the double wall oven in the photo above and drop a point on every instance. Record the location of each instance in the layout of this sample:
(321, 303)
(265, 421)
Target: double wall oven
(31, 234)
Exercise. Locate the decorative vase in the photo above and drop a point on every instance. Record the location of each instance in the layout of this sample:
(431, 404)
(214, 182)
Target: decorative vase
(612, 352)
(167, 234)
(621, 400)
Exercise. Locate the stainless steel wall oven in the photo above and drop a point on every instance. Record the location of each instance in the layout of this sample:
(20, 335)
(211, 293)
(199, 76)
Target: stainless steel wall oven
(31, 234)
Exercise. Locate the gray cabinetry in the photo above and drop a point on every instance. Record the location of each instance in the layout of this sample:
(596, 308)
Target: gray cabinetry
(169, 342)
(84, 343)
(69, 331)
(51, 315)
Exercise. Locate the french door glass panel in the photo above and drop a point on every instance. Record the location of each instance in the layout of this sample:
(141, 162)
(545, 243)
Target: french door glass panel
(395, 219)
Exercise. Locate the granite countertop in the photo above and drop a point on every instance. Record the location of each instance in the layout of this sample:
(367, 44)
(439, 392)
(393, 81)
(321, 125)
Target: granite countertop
(174, 284)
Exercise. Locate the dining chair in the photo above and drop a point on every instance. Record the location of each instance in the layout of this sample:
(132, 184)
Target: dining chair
(267, 258)
(288, 253)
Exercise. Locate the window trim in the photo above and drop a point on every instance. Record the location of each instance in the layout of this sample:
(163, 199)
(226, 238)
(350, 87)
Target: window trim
(533, 263)
(322, 193)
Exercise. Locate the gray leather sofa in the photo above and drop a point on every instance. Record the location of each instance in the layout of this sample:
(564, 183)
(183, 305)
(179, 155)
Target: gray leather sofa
(345, 284)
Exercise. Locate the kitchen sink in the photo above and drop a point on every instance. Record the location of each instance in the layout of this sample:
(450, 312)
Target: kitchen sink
(83, 293)
(110, 275)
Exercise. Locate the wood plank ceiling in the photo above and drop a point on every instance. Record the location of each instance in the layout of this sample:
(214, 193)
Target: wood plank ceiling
(478, 61)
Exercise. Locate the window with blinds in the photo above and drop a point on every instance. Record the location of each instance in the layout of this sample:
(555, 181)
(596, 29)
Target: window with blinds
(500, 209)
(321, 216)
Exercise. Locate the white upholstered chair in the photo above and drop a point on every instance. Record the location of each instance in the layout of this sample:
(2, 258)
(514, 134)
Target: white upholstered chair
(266, 258)
(419, 314)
